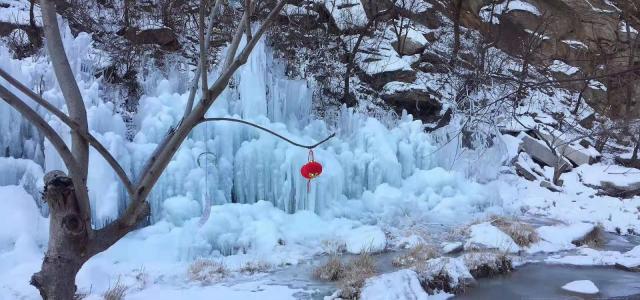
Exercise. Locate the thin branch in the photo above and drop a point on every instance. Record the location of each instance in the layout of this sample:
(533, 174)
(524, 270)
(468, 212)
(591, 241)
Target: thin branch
(196, 77)
(204, 66)
(75, 127)
(247, 25)
(269, 131)
(233, 48)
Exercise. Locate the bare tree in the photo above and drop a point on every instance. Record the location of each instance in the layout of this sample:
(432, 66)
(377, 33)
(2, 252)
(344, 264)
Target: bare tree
(72, 241)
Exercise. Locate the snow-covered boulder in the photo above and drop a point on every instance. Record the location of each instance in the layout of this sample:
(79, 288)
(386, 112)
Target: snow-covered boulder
(410, 42)
(347, 15)
(487, 263)
(555, 238)
(581, 287)
(449, 274)
(487, 236)
(538, 150)
(399, 285)
(365, 239)
(452, 247)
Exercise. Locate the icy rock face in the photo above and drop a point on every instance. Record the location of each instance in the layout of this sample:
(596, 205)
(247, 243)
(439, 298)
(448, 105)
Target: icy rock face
(399, 285)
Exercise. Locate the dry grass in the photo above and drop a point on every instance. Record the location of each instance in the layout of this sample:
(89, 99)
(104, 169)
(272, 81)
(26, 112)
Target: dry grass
(350, 276)
(593, 239)
(416, 255)
(332, 270)
(522, 233)
(254, 267)
(116, 292)
(356, 272)
(207, 271)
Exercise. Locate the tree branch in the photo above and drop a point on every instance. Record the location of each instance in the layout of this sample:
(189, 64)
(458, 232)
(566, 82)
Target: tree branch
(73, 98)
(75, 127)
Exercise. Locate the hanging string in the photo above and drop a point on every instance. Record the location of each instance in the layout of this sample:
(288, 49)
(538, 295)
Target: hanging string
(311, 158)
(207, 198)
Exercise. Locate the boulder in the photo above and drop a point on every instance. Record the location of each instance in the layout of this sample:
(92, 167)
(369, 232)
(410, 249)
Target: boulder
(539, 151)
(419, 102)
(164, 37)
(400, 285)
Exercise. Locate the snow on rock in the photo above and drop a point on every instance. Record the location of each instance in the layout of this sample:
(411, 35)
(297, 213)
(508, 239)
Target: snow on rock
(487, 236)
(292, 10)
(490, 13)
(347, 14)
(452, 247)
(581, 287)
(434, 271)
(365, 239)
(560, 237)
(399, 285)
(601, 175)
(561, 67)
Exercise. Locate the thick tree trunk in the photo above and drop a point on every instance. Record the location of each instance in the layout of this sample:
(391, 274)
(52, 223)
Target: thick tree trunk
(68, 240)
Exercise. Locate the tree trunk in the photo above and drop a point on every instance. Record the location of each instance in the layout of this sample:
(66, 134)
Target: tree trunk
(68, 240)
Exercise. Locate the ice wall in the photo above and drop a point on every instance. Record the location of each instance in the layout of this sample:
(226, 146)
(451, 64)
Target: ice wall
(245, 164)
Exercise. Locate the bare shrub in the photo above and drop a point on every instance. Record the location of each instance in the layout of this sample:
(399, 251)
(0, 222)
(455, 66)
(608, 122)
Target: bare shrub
(207, 271)
(594, 239)
(116, 292)
(356, 272)
(418, 254)
(332, 270)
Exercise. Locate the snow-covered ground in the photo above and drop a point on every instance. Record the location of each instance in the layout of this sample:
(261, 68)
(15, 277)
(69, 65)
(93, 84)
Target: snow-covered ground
(382, 188)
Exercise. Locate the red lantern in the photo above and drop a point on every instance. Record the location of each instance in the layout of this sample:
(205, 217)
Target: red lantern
(311, 169)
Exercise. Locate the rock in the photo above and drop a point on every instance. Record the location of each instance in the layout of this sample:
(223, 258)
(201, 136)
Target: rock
(447, 274)
(163, 37)
(487, 264)
(539, 151)
(588, 121)
(412, 42)
(575, 152)
(451, 248)
(400, 285)
(487, 236)
(581, 287)
(527, 168)
(550, 186)
(419, 102)
(349, 16)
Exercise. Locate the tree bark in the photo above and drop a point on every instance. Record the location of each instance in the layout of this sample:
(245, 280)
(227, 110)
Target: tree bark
(68, 239)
